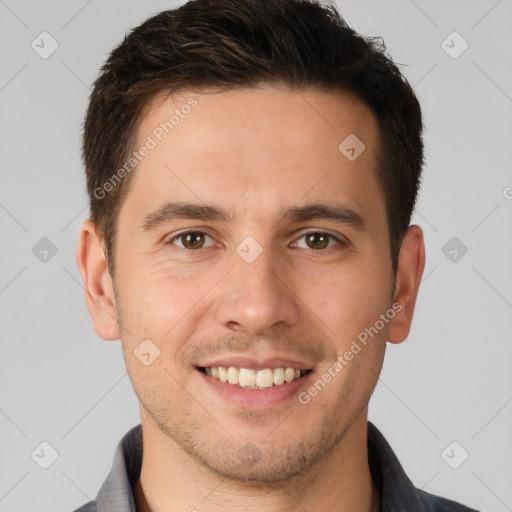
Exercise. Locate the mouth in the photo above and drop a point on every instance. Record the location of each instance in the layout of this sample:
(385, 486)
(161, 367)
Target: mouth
(252, 381)
(250, 378)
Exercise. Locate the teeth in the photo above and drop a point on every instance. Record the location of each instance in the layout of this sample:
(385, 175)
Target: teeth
(278, 376)
(223, 374)
(233, 375)
(249, 378)
(246, 377)
(265, 378)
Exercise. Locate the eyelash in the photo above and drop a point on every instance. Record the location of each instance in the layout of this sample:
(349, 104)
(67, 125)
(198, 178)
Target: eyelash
(341, 243)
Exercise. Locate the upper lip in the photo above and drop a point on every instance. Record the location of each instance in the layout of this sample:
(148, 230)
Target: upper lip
(256, 363)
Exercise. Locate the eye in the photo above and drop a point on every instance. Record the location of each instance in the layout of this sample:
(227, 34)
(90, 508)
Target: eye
(319, 240)
(191, 240)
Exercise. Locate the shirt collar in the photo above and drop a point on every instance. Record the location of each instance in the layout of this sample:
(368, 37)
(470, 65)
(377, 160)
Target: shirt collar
(116, 492)
(396, 490)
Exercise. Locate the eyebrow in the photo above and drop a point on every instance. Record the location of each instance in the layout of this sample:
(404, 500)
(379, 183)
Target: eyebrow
(338, 213)
(173, 211)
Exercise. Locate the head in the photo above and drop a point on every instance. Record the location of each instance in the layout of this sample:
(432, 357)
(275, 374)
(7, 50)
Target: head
(244, 109)
(232, 44)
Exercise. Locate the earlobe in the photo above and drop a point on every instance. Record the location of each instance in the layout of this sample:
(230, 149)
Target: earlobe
(411, 263)
(99, 289)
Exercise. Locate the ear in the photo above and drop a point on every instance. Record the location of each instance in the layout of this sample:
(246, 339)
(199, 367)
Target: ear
(411, 263)
(98, 285)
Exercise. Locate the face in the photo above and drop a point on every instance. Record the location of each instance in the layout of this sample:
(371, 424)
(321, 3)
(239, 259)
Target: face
(248, 240)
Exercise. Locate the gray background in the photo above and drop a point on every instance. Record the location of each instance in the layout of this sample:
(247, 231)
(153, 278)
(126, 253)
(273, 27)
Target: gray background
(450, 381)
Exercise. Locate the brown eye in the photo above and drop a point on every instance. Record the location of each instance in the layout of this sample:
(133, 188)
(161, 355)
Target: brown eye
(317, 240)
(191, 240)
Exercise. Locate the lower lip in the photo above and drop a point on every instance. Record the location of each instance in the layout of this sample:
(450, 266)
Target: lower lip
(256, 398)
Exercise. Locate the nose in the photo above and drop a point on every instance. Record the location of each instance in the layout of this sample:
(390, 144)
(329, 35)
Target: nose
(257, 296)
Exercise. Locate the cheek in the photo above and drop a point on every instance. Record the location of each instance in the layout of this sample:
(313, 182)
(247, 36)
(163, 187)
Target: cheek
(351, 299)
(155, 307)
(158, 301)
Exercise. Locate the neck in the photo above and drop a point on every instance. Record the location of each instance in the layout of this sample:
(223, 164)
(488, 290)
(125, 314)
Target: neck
(171, 480)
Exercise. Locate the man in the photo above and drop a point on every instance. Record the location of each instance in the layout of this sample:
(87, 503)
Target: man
(252, 169)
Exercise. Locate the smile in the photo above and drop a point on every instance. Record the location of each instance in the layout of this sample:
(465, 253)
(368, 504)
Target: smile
(254, 379)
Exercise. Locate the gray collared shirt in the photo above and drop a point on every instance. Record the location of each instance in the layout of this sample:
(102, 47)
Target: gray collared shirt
(397, 493)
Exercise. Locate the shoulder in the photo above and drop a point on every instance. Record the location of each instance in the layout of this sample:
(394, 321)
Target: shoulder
(88, 507)
(397, 491)
(439, 504)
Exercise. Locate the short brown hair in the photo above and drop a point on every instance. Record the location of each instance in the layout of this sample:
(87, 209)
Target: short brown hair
(227, 44)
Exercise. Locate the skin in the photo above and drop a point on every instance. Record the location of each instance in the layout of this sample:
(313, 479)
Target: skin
(256, 153)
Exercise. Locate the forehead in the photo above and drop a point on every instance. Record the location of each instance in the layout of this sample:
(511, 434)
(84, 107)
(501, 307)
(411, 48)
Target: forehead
(256, 148)
(269, 114)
